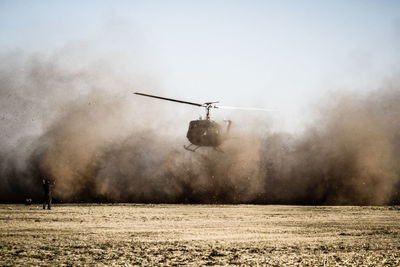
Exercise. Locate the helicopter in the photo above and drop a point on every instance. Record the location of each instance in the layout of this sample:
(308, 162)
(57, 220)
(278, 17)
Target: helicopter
(204, 132)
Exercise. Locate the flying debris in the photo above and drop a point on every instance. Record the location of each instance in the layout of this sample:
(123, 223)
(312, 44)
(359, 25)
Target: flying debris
(205, 132)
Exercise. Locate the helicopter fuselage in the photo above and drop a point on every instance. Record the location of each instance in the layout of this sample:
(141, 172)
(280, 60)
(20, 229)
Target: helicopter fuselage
(205, 133)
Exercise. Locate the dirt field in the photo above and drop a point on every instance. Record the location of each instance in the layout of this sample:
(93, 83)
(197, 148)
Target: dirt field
(198, 235)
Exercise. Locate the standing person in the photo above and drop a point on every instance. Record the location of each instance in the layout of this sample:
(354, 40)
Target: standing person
(47, 185)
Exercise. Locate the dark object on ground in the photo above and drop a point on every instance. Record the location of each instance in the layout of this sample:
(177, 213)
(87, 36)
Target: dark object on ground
(47, 185)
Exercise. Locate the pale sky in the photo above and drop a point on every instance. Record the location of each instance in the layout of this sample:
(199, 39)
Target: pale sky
(272, 54)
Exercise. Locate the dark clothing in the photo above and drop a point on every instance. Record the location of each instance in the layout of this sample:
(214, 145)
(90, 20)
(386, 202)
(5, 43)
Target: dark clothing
(47, 194)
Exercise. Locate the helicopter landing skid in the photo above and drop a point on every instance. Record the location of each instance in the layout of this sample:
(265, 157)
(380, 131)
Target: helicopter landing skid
(190, 149)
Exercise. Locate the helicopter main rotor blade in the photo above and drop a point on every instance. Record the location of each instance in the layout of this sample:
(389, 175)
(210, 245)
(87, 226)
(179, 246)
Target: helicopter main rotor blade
(244, 108)
(207, 105)
(170, 99)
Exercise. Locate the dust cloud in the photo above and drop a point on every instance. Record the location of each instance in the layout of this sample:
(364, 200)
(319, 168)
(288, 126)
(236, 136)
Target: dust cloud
(85, 130)
(349, 156)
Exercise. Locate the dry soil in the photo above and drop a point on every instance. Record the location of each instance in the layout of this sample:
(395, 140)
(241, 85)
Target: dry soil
(196, 235)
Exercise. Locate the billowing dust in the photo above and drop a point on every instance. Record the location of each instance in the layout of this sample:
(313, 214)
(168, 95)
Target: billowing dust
(86, 130)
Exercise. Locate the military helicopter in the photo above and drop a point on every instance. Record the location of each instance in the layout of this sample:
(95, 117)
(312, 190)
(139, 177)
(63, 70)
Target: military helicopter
(204, 132)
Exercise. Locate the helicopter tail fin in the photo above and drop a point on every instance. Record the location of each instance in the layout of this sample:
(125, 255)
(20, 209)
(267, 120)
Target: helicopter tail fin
(228, 127)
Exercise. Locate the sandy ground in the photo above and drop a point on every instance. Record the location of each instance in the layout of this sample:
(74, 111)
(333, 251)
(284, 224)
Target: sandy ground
(199, 235)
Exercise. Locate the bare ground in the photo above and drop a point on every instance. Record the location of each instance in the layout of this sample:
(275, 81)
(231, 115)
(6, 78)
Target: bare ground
(199, 235)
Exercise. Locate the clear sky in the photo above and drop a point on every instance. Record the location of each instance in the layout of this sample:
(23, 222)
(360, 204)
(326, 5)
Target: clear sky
(273, 54)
